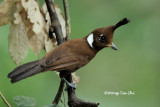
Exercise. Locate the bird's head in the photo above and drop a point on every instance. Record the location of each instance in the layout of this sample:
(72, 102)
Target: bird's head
(103, 37)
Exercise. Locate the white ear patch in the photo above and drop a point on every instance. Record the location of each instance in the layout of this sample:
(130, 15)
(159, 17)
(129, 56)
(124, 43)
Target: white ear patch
(90, 40)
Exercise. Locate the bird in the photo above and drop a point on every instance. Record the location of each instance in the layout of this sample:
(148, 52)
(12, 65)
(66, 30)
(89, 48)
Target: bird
(70, 55)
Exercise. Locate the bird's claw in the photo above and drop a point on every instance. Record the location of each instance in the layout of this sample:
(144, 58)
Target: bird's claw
(72, 85)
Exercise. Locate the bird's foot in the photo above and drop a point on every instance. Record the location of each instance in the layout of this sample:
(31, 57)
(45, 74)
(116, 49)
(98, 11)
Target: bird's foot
(73, 85)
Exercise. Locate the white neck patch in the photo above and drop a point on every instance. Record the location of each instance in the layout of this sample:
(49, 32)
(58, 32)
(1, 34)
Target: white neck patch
(90, 40)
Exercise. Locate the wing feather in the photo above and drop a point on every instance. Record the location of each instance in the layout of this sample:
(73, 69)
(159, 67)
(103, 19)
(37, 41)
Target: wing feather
(65, 63)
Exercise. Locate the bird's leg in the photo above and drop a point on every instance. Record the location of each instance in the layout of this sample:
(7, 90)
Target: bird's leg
(73, 85)
(62, 75)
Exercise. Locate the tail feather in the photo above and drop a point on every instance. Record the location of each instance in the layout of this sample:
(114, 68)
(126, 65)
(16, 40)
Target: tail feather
(25, 71)
(22, 68)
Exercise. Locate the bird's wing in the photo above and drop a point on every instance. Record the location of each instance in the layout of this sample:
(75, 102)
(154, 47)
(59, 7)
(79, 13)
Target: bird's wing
(64, 57)
(63, 63)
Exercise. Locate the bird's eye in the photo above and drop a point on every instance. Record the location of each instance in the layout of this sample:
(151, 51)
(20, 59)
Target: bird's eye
(102, 39)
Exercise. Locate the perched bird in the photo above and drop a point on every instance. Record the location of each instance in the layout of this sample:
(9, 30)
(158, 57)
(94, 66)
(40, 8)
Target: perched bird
(70, 55)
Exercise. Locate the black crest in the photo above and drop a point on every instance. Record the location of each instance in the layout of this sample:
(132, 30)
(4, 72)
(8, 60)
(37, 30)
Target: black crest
(122, 22)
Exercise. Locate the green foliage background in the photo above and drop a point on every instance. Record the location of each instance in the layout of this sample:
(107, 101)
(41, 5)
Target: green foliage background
(134, 67)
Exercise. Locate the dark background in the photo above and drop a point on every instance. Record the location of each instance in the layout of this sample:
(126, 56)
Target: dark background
(134, 67)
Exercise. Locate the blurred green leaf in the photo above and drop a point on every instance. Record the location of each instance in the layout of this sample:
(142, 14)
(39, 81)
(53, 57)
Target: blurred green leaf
(23, 101)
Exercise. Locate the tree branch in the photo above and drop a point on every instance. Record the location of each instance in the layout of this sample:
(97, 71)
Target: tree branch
(67, 19)
(55, 25)
(68, 32)
(5, 101)
(73, 101)
(55, 28)
(59, 93)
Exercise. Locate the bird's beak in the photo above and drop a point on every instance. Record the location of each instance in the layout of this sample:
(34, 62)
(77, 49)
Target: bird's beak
(113, 46)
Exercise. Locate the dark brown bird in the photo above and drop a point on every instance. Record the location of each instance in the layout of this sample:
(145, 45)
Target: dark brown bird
(71, 55)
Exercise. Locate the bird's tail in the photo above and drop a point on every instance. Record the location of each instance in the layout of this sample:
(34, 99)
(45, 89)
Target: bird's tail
(25, 71)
